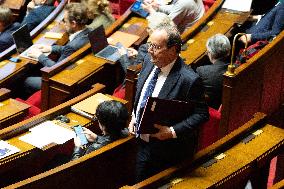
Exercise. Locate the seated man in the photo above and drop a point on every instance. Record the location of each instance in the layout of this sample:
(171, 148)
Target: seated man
(112, 117)
(218, 49)
(184, 13)
(75, 19)
(270, 25)
(7, 27)
(37, 11)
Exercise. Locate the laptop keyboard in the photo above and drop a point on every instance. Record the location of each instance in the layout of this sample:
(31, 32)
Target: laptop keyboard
(109, 50)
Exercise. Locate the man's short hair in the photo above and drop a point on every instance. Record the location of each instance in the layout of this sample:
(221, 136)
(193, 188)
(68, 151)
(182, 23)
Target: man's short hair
(174, 38)
(113, 115)
(157, 18)
(77, 12)
(218, 46)
(6, 16)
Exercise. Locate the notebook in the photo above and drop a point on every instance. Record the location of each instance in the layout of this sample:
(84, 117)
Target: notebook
(87, 107)
(23, 42)
(100, 46)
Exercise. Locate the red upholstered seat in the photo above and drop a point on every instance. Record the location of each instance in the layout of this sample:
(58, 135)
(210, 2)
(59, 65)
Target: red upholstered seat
(208, 132)
(118, 7)
(119, 92)
(208, 4)
(35, 102)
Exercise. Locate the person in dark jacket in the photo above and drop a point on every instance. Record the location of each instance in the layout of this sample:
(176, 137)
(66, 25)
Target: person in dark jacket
(270, 25)
(7, 27)
(37, 11)
(112, 117)
(218, 49)
(75, 19)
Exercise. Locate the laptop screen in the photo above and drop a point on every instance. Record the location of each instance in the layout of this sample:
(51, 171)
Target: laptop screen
(98, 39)
(22, 39)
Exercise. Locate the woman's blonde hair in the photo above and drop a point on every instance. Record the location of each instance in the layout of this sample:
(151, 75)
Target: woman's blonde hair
(97, 7)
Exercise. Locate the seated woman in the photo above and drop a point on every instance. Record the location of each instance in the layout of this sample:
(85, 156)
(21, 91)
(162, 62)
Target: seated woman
(270, 25)
(218, 49)
(37, 11)
(112, 117)
(99, 12)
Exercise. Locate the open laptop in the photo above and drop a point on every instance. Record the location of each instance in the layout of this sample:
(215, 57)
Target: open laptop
(23, 41)
(100, 46)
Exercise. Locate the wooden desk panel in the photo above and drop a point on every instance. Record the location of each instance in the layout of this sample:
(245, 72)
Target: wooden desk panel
(223, 23)
(11, 112)
(30, 159)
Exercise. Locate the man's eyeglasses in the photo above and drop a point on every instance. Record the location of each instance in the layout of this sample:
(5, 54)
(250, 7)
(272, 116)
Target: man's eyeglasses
(153, 46)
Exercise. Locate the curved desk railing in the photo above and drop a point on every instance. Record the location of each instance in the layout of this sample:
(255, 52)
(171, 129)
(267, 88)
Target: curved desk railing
(8, 52)
(30, 160)
(240, 161)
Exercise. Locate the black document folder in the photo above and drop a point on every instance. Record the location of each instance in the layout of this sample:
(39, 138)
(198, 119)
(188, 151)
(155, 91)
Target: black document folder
(163, 112)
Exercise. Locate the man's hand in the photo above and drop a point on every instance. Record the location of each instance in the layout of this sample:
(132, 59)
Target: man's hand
(148, 7)
(77, 141)
(164, 132)
(132, 52)
(43, 48)
(131, 126)
(245, 37)
(91, 137)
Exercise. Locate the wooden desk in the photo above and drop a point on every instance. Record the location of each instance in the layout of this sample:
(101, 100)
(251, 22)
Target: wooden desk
(30, 160)
(75, 74)
(12, 111)
(9, 71)
(242, 161)
(223, 22)
(257, 85)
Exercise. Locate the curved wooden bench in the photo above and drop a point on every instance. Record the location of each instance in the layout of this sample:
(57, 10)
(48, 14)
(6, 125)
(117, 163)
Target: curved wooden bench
(247, 164)
(30, 160)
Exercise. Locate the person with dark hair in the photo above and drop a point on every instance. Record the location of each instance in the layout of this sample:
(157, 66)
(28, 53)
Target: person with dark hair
(269, 26)
(7, 27)
(165, 75)
(218, 49)
(112, 117)
(37, 11)
(75, 19)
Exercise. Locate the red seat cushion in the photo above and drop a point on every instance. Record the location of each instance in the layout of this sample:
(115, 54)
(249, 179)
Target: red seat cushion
(208, 4)
(208, 133)
(33, 110)
(119, 92)
(35, 99)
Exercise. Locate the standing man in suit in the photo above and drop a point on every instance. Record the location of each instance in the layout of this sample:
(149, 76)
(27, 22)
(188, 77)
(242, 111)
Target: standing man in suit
(7, 27)
(37, 11)
(218, 49)
(75, 20)
(174, 81)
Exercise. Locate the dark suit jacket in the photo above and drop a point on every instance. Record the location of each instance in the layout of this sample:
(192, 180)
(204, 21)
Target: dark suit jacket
(64, 51)
(212, 78)
(36, 16)
(270, 25)
(6, 39)
(181, 84)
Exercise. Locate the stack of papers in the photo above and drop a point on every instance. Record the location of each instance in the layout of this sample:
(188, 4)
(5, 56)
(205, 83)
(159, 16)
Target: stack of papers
(242, 5)
(47, 133)
(7, 149)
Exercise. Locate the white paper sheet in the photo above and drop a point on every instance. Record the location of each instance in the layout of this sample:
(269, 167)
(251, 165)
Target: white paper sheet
(7, 149)
(241, 5)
